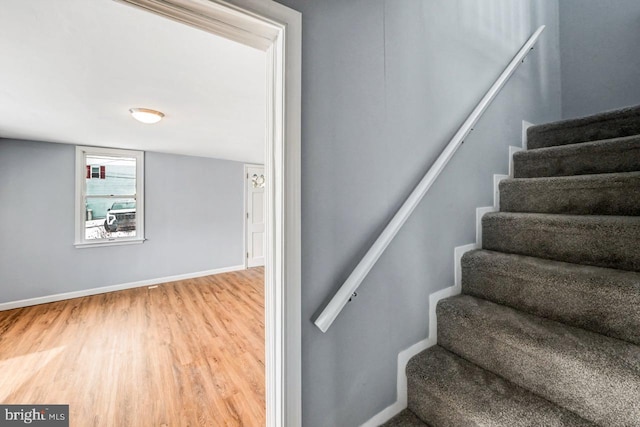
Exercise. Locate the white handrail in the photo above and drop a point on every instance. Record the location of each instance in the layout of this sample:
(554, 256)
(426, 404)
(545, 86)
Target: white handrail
(354, 280)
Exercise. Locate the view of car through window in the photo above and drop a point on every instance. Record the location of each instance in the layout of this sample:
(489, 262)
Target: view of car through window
(110, 196)
(121, 216)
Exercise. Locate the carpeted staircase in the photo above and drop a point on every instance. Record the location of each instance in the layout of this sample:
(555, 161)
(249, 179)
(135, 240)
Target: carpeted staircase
(547, 329)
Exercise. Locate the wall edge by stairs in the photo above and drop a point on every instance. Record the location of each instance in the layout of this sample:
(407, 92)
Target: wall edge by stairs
(405, 355)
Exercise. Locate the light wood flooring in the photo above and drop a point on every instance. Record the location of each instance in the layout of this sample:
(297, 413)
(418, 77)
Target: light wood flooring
(186, 353)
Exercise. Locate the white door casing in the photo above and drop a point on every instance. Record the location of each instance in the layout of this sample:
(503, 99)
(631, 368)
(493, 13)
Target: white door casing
(255, 183)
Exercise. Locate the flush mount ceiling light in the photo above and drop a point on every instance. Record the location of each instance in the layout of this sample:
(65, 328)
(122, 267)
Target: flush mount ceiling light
(145, 115)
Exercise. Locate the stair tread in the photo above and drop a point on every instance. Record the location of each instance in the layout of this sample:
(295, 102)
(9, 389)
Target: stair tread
(600, 194)
(602, 156)
(595, 376)
(610, 124)
(447, 390)
(599, 299)
(600, 240)
(405, 418)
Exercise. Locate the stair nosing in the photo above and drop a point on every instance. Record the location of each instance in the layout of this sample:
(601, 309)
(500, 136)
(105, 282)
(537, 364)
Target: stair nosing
(576, 146)
(582, 177)
(555, 216)
(597, 118)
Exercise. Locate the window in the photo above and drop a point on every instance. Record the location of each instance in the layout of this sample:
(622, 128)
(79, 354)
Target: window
(96, 172)
(109, 196)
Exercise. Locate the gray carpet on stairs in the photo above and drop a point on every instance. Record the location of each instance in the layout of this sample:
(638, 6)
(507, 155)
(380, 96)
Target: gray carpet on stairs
(446, 390)
(603, 194)
(611, 124)
(590, 374)
(405, 418)
(602, 300)
(608, 156)
(602, 241)
(547, 331)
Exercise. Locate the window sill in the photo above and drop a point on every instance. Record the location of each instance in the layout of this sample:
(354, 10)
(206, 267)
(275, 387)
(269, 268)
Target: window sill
(109, 243)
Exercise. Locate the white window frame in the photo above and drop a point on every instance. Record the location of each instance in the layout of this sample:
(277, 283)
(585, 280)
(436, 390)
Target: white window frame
(81, 192)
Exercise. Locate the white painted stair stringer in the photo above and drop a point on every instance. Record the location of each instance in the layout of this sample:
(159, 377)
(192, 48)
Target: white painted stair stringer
(405, 355)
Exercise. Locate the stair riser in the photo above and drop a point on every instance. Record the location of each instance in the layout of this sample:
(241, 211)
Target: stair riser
(610, 242)
(590, 195)
(613, 156)
(603, 126)
(601, 300)
(445, 390)
(590, 375)
(405, 419)
(430, 408)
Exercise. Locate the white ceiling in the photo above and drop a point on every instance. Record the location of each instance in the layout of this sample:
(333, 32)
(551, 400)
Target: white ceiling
(71, 69)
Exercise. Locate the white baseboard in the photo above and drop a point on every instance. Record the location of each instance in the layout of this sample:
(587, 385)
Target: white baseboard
(513, 150)
(96, 291)
(405, 355)
(525, 125)
(496, 189)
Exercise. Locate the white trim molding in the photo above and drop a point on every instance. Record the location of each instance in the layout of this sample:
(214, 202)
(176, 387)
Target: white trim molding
(405, 355)
(525, 126)
(513, 150)
(105, 289)
(277, 30)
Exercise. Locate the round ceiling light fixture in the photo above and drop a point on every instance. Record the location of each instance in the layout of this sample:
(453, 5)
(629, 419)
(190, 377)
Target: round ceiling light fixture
(146, 115)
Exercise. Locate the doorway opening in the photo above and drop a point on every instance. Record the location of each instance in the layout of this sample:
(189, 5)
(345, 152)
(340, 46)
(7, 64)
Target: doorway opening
(254, 186)
(276, 30)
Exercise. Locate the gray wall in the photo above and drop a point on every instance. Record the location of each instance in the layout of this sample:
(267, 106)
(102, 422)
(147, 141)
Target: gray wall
(193, 222)
(600, 45)
(385, 86)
